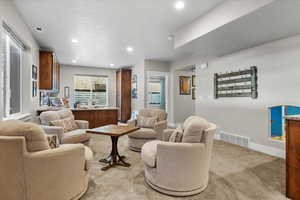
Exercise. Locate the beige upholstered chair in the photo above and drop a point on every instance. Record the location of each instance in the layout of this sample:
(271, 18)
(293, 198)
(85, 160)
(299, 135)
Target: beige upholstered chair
(180, 169)
(71, 137)
(30, 170)
(138, 138)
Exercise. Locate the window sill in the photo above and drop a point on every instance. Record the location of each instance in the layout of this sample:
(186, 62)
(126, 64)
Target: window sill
(278, 141)
(21, 116)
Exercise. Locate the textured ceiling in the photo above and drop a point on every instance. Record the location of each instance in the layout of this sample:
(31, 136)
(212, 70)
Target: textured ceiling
(105, 27)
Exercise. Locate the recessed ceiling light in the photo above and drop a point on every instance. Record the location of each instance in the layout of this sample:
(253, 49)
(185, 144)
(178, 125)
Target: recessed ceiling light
(179, 5)
(38, 29)
(74, 40)
(112, 65)
(74, 61)
(129, 49)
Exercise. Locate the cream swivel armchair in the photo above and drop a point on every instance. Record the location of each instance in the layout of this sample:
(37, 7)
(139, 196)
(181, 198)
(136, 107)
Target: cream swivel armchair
(180, 168)
(152, 123)
(30, 170)
(78, 135)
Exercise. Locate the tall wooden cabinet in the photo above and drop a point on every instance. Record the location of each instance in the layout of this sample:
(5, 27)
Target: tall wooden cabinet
(49, 71)
(293, 158)
(124, 94)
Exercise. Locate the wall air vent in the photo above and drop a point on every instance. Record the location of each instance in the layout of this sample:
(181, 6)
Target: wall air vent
(234, 139)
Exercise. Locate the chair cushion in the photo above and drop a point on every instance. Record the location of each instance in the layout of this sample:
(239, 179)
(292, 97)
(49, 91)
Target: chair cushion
(146, 122)
(75, 136)
(194, 130)
(88, 154)
(143, 133)
(187, 121)
(65, 113)
(152, 112)
(149, 153)
(53, 141)
(35, 136)
(68, 124)
(176, 136)
(48, 116)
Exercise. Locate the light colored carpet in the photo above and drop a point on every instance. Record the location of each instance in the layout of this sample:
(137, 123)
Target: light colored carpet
(236, 174)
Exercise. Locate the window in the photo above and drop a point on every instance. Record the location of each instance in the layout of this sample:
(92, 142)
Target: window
(155, 88)
(90, 90)
(278, 121)
(12, 77)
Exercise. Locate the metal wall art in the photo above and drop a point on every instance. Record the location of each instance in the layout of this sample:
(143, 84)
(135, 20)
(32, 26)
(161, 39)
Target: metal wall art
(241, 83)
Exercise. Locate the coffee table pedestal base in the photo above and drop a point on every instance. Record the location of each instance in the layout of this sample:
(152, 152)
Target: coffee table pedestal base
(114, 158)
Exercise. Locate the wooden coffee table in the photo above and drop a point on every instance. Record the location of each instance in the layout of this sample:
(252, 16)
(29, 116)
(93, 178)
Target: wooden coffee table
(114, 131)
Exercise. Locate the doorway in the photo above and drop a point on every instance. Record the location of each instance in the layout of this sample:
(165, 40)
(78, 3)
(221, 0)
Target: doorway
(157, 90)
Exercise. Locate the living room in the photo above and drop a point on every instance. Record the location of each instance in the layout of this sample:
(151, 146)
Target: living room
(180, 99)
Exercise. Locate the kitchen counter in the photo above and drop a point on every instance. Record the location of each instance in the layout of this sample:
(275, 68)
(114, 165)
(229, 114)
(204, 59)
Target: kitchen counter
(95, 116)
(103, 108)
(43, 109)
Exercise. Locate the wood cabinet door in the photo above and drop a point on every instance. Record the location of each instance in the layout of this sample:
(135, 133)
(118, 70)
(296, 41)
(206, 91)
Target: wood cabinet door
(85, 115)
(126, 95)
(293, 159)
(293, 181)
(46, 71)
(293, 143)
(119, 93)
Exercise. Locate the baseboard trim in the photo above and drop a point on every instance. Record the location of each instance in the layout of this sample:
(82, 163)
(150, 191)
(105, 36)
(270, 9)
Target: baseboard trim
(268, 150)
(262, 148)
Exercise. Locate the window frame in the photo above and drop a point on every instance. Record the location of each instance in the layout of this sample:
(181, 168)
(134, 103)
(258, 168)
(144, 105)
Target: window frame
(6, 78)
(99, 76)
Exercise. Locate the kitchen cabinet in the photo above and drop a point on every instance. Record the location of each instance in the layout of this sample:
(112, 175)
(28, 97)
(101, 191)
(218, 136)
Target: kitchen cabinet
(97, 117)
(124, 94)
(293, 158)
(49, 72)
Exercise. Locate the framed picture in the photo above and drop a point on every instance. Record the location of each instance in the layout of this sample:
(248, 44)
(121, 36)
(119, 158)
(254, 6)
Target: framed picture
(193, 81)
(194, 93)
(34, 72)
(134, 87)
(34, 88)
(185, 85)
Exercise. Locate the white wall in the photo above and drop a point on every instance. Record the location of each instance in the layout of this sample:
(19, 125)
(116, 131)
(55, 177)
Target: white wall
(139, 70)
(176, 106)
(278, 82)
(184, 105)
(10, 15)
(157, 66)
(154, 66)
(68, 72)
(142, 69)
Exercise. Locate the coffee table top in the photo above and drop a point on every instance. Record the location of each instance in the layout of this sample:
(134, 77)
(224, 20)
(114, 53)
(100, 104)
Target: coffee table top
(112, 130)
